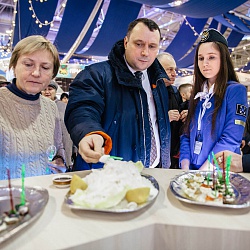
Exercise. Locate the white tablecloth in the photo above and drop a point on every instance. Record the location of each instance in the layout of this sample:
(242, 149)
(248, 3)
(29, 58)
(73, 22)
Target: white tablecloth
(167, 224)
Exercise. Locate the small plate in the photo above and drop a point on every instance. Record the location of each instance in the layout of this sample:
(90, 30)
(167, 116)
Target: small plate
(37, 199)
(240, 184)
(121, 207)
(62, 181)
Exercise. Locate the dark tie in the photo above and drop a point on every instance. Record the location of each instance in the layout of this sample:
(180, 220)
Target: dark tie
(153, 151)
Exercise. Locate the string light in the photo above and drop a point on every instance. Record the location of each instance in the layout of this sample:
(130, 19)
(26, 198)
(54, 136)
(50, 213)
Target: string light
(46, 22)
(191, 27)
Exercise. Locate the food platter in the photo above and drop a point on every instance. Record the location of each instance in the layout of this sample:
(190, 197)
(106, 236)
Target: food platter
(36, 198)
(122, 207)
(240, 185)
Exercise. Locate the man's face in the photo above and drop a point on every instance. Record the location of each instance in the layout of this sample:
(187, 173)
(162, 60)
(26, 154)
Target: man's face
(49, 92)
(169, 65)
(141, 47)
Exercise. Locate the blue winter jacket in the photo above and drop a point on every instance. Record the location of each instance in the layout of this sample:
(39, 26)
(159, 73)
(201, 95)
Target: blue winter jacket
(230, 122)
(107, 97)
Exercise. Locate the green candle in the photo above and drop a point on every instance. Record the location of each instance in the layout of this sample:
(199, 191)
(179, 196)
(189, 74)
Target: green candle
(217, 166)
(23, 188)
(208, 174)
(228, 163)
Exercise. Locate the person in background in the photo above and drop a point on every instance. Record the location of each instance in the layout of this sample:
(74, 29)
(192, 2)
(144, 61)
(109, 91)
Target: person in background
(217, 110)
(239, 162)
(3, 81)
(64, 97)
(29, 122)
(176, 113)
(185, 90)
(50, 92)
(112, 104)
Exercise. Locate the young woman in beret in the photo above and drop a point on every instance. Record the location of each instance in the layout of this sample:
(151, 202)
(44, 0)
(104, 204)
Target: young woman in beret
(218, 105)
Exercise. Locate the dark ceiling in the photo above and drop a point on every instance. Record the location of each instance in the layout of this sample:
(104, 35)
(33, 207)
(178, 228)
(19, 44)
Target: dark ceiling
(180, 25)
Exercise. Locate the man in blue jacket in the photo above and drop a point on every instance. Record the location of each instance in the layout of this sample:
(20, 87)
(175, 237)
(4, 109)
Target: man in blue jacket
(112, 111)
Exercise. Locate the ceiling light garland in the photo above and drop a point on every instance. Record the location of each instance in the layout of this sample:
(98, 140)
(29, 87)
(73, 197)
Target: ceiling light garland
(46, 22)
(191, 27)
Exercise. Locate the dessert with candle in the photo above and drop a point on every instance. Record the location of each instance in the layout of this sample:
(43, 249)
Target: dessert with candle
(215, 186)
(118, 182)
(18, 212)
(204, 189)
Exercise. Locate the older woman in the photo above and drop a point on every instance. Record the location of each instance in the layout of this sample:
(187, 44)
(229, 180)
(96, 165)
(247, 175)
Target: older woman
(29, 122)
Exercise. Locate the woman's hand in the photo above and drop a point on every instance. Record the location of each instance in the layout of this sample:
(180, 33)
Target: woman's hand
(185, 164)
(57, 166)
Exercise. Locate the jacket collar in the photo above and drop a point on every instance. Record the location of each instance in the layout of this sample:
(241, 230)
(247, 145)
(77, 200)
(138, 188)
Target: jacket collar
(124, 75)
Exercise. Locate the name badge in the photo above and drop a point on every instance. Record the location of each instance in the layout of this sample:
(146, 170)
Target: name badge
(197, 147)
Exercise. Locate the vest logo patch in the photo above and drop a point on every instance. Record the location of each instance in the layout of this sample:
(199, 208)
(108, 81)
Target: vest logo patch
(241, 110)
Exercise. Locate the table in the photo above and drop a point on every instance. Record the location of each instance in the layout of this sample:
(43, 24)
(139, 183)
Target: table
(167, 224)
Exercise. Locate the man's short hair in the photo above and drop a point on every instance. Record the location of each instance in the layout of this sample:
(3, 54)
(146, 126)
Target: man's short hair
(152, 25)
(162, 54)
(184, 86)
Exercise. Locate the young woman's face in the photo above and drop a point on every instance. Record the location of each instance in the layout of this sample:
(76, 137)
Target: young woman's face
(209, 61)
(34, 71)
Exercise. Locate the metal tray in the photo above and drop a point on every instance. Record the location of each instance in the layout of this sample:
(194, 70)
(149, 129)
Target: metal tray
(119, 208)
(239, 183)
(37, 198)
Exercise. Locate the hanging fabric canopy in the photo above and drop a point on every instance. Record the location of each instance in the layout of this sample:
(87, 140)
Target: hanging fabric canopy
(196, 8)
(120, 14)
(68, 31)
(180, 42)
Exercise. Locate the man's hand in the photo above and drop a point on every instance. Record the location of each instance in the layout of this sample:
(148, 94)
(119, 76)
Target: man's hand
(243, 143)
(91, 148)
(173, 115)
(183, 115)
(236, 160)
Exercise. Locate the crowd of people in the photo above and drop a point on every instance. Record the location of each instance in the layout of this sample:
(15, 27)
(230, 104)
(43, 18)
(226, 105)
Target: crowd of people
(126, 106)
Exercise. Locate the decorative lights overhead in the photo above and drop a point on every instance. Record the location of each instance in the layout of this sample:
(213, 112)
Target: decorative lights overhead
(46, 22)
(191, 27)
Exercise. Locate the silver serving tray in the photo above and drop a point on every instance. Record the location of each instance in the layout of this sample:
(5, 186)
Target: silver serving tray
(118, 208)
(239, 183)
(37, 198)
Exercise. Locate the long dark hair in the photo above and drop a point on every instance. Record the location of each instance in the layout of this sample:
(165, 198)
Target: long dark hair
(225, 74)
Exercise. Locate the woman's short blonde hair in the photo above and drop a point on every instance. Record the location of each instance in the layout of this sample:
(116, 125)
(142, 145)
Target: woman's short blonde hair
(32, 44)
